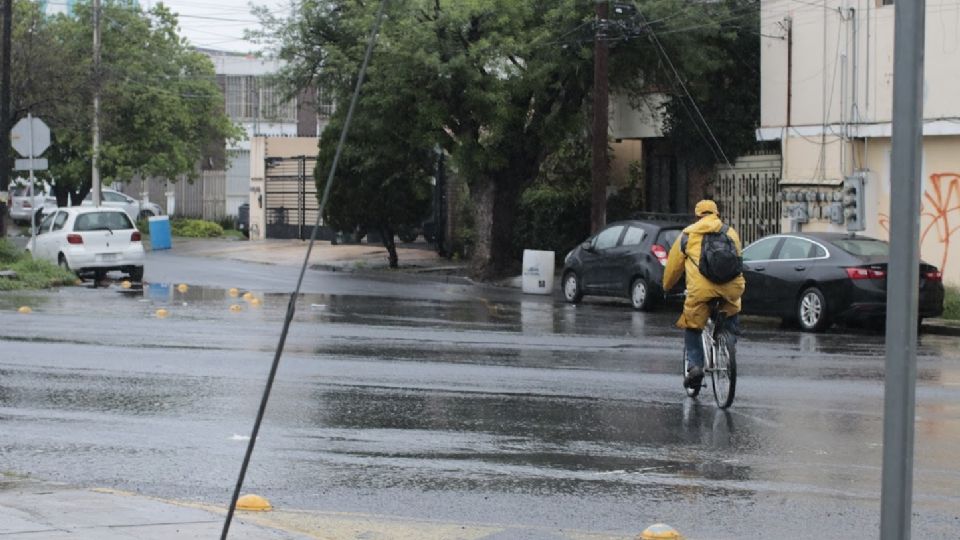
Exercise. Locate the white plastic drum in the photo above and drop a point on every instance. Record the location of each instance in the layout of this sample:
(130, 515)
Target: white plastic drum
(537, 271)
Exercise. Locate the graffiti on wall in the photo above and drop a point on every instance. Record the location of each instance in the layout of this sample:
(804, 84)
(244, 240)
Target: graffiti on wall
(939, 212)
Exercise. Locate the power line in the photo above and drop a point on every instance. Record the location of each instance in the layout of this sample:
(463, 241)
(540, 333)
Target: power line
(683, 85)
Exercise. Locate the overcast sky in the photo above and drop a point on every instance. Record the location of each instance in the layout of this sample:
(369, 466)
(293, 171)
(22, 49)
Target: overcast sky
(218, 24)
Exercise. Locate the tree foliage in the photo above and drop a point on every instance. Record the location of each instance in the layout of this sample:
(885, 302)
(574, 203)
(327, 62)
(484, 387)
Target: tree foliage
(160, 104)
(499, 84)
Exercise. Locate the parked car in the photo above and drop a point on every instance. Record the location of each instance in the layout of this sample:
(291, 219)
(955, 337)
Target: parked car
(625, 259)
(134, 208)
(88, 239)
(816, 279)
(22, 206)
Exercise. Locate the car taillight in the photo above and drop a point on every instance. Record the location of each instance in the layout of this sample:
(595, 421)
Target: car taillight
(933, 275)
(135, 237)
(659, 253)
(74, 239)
(858, 272)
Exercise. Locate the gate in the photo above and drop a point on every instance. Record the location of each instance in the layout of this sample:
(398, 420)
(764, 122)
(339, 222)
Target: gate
(748, 196)
(290, 197)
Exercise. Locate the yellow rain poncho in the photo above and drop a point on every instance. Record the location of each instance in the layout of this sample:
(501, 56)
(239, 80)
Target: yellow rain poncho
(701, 290)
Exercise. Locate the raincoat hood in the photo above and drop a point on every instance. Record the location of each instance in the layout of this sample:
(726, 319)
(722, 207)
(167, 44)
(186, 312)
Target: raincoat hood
(709, 223)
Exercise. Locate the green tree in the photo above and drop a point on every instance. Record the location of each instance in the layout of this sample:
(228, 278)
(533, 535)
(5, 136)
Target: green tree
(500, 84)
(161, 105)
(382, 181)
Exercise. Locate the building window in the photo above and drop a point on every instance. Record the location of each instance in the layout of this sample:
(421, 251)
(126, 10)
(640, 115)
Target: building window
(881, 3)
(324, 104)
(254, 98)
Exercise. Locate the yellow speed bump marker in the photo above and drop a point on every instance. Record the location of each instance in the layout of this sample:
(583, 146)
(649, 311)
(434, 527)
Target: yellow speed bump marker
(660, 531)
(183, 287)
(233, 292)
(235, 308)
(248, 296)
(162, 313)
(25, 310)
(255, 302)
(253, 503)
(126, 284)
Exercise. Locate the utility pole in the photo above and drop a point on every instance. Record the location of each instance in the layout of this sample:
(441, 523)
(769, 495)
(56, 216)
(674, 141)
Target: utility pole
(601, 91)
(95, 160)
(5, 112)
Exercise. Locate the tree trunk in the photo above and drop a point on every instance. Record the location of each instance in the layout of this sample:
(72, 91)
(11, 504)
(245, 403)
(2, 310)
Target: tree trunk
(494, 217)
(66, 195)
(386, 235)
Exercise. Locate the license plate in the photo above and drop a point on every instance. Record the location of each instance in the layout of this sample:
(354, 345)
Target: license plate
(108, 257)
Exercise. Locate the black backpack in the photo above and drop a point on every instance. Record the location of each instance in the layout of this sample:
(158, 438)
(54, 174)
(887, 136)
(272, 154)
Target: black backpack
(719, 261)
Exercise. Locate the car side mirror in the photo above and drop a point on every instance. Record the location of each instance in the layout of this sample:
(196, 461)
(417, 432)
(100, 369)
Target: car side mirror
(588, 245)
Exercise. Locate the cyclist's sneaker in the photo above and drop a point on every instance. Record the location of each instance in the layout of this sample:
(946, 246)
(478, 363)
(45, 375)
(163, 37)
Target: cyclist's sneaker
(694, 377)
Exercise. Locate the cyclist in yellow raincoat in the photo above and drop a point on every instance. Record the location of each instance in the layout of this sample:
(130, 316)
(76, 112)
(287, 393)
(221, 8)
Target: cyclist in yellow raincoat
(700, 290)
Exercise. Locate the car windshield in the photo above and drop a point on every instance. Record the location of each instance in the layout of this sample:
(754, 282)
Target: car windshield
(864, 247)
(96, 221)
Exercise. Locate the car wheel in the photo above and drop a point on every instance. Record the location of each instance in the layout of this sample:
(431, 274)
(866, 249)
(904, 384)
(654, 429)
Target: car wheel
(640, 296)
(62, 263)
(812, 311)
(571, 288)
(407, 235)
(136, 273)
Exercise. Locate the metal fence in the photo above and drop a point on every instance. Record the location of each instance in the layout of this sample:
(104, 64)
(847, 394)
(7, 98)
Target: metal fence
(748, 196)
(203, 198)
(290, 197)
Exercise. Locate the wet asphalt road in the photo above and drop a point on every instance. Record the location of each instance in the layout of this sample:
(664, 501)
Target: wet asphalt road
(420, 399)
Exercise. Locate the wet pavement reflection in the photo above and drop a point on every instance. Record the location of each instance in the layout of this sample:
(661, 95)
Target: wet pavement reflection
(455, 402)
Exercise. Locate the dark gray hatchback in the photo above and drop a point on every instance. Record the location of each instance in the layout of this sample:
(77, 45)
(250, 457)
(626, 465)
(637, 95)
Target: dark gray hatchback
(625, 259)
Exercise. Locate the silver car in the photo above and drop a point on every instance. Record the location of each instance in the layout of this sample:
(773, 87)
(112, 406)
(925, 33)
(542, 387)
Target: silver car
(22, 205)
(134, 208)
(90, 240)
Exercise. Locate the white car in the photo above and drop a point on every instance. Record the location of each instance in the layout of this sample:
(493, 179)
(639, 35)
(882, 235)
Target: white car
(87, 239)
(134, 208)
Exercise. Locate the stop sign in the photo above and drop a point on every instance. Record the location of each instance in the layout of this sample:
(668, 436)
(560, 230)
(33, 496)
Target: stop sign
(30, 134)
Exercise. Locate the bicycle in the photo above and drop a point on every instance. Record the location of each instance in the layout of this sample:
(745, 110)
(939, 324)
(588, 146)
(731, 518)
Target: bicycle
(720, 359)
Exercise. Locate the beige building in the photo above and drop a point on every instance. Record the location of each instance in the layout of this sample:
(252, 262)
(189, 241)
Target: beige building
(827, 94)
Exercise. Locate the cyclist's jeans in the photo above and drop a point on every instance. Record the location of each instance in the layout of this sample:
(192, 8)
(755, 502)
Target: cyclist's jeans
(694, 345)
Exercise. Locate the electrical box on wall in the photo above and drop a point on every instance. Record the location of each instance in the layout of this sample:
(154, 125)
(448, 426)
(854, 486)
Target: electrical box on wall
(853, 202)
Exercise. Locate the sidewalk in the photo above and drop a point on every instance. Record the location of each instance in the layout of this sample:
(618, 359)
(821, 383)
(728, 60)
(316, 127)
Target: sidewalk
(33, 510)
(42, 510)
(324, 256)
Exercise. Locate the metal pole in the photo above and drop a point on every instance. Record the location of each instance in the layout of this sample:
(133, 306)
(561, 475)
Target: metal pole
(598, 206)
(95, 160)
(5, 39)
(904, 269)
(33, 218)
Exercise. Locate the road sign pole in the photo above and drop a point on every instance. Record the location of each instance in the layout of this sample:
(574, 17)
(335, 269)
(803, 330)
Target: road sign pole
(33, 220)
(899, 401)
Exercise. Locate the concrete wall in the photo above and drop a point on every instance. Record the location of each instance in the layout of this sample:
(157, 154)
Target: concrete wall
(842, 61)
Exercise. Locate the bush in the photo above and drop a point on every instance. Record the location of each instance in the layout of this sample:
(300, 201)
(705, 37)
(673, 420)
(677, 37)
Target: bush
(552, 219)
(31, 274)
(951, 303)
(195, 228)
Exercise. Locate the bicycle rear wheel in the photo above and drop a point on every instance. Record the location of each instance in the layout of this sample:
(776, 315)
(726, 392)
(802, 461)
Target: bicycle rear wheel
(724, 372)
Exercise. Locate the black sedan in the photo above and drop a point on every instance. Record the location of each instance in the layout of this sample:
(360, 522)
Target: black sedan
(625, 259)
(816, 279)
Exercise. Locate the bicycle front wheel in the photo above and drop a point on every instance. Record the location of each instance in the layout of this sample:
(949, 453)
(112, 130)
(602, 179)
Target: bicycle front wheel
(724, 372)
